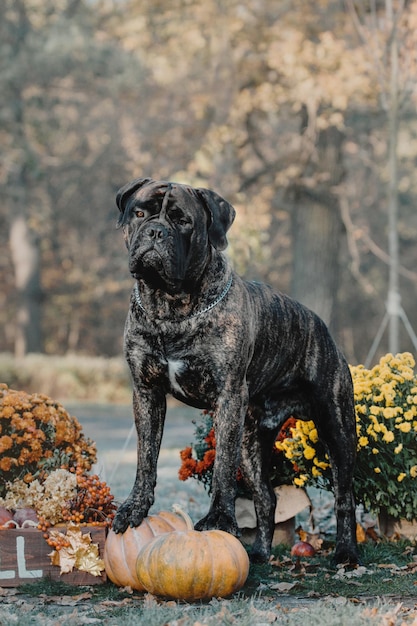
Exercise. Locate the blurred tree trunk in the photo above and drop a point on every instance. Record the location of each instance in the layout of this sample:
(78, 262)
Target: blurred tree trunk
(317, 228)
(24, 247)
(24, 244)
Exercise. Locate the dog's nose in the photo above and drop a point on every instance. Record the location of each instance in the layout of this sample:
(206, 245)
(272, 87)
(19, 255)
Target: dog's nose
(156, 232)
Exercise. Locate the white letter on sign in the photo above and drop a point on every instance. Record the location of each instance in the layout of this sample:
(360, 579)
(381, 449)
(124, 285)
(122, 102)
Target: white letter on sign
(21, 563)
(7, 573)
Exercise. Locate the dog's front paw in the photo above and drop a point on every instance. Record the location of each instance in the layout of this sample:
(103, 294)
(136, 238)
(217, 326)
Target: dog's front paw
(128, 514)
(260, 552)
(219, 521)
(346, 555)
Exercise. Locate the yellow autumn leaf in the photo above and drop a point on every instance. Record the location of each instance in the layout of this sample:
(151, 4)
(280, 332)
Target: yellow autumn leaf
(360, 534)
(81, 553)
(88, 560)
(66, 560)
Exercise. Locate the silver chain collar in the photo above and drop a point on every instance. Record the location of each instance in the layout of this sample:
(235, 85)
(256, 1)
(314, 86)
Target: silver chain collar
(206, 309)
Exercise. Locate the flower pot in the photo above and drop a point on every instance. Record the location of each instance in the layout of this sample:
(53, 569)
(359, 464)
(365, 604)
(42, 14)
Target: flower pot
(290, 501)
(391, 527)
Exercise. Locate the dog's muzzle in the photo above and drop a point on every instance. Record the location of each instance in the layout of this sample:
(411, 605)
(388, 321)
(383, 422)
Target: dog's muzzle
(155, 232)
(157, 250)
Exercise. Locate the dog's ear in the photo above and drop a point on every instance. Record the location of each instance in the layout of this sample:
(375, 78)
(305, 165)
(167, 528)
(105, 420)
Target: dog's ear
(221, 215)
(124, 194)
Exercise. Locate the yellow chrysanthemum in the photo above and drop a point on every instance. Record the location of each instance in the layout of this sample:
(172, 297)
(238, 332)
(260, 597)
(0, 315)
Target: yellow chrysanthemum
(388, 437)
(309, 453)
(401, 477)
(320, 464)
(300, 481)
(378, 397)
(361, 408)
(314, 437)
(410, 414)
(404, 427)
(371, 432)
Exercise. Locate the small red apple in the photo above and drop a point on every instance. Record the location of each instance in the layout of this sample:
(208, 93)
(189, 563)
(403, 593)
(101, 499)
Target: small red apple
(302, 549)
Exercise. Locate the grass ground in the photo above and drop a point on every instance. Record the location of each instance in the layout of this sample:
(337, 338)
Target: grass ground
(381, 592)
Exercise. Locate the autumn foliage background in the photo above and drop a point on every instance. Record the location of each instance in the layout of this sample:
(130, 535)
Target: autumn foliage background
(281, 107)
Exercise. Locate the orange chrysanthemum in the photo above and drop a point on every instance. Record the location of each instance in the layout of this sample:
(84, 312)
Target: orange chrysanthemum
(38, 436)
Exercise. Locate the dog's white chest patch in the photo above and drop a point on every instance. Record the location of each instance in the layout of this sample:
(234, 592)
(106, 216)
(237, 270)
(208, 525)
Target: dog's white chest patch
(175, 368)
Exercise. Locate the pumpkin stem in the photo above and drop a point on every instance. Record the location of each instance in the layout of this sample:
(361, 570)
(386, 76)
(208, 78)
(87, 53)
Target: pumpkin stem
(187, 519)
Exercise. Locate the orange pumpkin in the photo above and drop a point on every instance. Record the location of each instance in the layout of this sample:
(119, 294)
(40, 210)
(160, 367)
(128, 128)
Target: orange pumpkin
(121, 550)
(191, 565)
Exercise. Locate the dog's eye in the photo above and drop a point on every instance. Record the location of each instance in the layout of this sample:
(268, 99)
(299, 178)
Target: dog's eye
(139, 213)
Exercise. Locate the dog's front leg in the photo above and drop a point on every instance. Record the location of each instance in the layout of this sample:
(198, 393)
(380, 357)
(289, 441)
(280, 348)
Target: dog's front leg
(149, 408)
(228, 425)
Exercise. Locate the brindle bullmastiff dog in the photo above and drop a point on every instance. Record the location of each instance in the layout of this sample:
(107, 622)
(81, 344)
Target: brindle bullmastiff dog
(198, 331)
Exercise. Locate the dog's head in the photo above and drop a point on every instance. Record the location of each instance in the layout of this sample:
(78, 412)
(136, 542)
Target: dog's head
(170, 230)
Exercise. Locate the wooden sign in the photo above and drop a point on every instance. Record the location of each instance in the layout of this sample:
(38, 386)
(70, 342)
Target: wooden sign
(24, 558)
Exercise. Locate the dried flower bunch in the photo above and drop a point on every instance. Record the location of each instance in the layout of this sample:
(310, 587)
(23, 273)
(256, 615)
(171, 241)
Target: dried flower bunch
(46, 498)
(64, 496)
(44, 464)
(37, 436)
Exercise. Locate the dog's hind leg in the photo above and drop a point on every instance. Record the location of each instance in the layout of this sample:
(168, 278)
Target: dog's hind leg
(255, 464)
(337, 430)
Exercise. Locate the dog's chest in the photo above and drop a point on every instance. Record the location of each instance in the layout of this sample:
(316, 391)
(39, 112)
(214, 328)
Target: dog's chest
(184, 368)
(190, 380)
(175, 369)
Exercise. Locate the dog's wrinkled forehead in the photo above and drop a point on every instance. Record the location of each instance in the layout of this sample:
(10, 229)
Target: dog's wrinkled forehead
(152, 194)
(158, 190)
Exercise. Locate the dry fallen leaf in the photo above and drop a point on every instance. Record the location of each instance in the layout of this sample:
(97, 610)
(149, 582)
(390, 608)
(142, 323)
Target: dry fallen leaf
(149, 601)
(87, 559)
(118, 603)
(372, 534)
(313, 539)
(283, 587)
(360, 534)
(301, 533)
(262, 617)
(81, 552)
(8, 592)
(356, 572)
